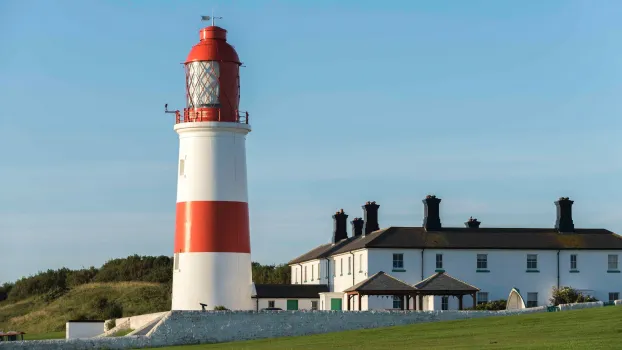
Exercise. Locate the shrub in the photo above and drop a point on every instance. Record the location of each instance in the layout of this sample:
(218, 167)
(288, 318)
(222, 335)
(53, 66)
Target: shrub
(569, 295)
(220, 308)
(494, 305)
(110, 324)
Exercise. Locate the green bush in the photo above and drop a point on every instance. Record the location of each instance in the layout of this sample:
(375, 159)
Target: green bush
(52, 284)
(220, 308)
(494, 305)
(569, 295)
(110, 324)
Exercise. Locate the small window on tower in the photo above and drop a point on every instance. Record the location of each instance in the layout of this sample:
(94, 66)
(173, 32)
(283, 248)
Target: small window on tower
(176, 262)
(182, 167)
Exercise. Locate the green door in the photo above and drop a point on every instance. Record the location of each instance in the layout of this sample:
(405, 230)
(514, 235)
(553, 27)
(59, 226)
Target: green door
(335, 304)
(292, 305)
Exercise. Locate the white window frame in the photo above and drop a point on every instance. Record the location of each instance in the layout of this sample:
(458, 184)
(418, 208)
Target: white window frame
(482, 261)
(612, 262)
(439, 262)
(482, 297)
(271, 303)
(614, 296)
(313, 304)
(312, 272)
(532, 299)
(532, 262)
(573, 262)
(349, 265)
(398, 261)
(341, 266)
(305, 276)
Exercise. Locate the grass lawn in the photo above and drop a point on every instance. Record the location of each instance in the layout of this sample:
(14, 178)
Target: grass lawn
(41, 336)
(123, 332)
(599, 328)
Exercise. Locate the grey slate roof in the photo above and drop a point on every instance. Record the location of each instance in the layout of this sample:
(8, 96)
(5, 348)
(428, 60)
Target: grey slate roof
(302, 291)
(443, 282)
(471, 238)
(381, 282)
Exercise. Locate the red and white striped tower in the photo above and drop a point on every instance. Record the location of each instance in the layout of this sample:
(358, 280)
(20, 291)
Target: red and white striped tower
(212, 261)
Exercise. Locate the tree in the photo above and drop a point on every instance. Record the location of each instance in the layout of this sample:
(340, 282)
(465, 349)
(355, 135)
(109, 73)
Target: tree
(569, 295)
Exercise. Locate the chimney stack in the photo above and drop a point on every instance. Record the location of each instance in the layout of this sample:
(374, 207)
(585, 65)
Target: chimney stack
(564, 222)
(357, 227)
(472, 223)
(432, 219)
(370, 210)
(340, 231)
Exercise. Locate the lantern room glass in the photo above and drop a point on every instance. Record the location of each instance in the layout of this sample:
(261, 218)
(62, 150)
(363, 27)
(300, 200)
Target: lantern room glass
(202, 83)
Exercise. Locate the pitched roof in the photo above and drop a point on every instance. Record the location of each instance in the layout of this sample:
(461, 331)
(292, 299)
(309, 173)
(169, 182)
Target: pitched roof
(443, 282)
(289, 290)
(472, 238)
(380, 282)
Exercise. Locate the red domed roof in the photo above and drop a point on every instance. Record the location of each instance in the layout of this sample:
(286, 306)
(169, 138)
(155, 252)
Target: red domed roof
(213, 47)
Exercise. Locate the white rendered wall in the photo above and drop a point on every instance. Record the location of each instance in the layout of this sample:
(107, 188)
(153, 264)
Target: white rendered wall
(214, 169)
(303, 303)
(507, 270)
(75, 330)
(592, 267)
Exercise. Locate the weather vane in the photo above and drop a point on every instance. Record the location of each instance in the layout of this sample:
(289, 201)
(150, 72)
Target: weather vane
(207, 18)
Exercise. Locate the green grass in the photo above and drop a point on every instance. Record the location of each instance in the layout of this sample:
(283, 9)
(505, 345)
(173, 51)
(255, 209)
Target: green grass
(41, 336)
(34, 315)
(599, 328)
(122, 333)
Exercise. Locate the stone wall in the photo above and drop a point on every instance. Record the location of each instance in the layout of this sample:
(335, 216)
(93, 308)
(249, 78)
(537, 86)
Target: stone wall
(565, 307)
(194, 327)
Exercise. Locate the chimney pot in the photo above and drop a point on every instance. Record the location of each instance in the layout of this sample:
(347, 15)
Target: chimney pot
(370, 213)
(432, 218)
(564, 223)
(357, 227)
(472, 223)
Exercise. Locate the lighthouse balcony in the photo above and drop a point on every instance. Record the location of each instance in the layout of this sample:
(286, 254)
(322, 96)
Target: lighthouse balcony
(191, 115)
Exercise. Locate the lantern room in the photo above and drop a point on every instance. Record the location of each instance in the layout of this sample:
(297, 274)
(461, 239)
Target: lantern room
(212, 80)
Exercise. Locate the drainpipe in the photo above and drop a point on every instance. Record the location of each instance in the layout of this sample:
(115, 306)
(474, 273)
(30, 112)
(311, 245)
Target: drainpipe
(422, 276)
(352, 266)
(558, 269)
(328, 272)
(257, 300)
(300, 273)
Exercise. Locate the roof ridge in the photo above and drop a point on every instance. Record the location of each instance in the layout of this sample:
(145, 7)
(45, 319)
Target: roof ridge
(459, 280)
(397, 279)
(380, 233)
(303, 254)
(370, 278)
(428, 279)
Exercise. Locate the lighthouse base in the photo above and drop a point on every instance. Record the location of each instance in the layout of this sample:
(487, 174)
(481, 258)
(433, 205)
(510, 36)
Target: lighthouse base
(213, 279)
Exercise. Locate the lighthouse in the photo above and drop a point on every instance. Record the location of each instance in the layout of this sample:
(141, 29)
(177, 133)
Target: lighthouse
(212, 261)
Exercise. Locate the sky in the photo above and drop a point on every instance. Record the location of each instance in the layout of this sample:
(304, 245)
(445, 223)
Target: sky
(497, 107)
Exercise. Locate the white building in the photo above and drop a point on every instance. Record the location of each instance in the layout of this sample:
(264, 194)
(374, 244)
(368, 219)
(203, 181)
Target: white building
(495, 260)
(287, 297)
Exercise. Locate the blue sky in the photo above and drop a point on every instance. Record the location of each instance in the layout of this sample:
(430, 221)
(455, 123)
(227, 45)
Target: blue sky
(497, 107)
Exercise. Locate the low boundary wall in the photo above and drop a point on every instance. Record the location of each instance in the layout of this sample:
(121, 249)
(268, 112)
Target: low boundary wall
(195, 327)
